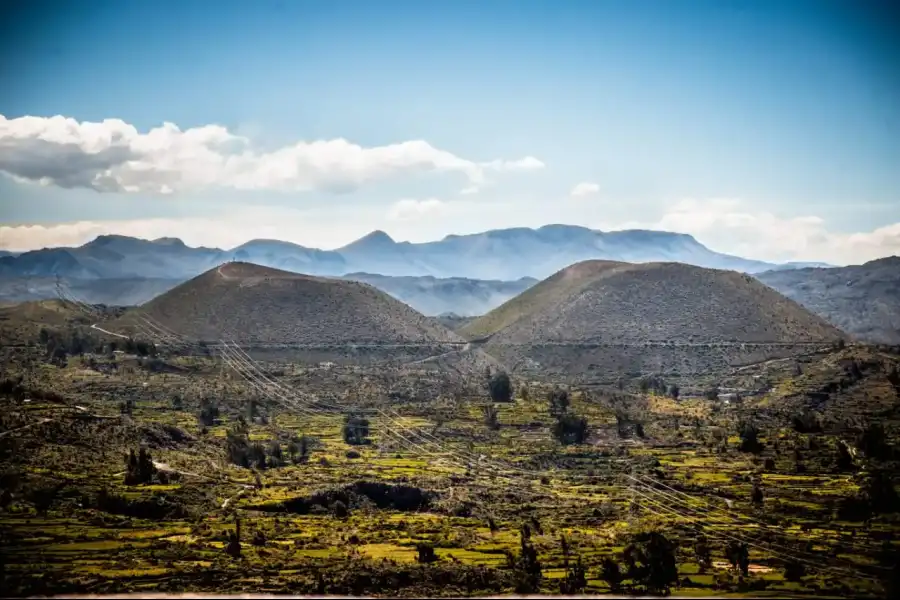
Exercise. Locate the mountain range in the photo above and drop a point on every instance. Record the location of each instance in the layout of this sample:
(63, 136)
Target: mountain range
(505, 254)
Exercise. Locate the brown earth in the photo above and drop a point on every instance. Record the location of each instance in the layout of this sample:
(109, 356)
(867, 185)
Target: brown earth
(647, 318)
(259, 305)
(613, 302)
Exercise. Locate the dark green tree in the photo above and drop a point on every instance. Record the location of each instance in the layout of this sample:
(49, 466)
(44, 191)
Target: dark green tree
(500, 387)
(356, 430)
(570, 429)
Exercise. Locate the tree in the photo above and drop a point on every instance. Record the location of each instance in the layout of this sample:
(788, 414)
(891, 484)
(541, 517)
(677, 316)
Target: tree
(298, 449)
(209, 413)
(570, 429)
(756, 496)
(610, 573)
(426, 553)
(558, 399)
(794, 571)
(276, 456)
(233, 549)
(845, 457)
(575, 579)
(356, 430)
(139, 468)
(526, 566)
(749, 438)
(807, 422)
(873, 442)
(491, 418)
(500, 387)
(651, 562)
(703, 553)
(739, 556)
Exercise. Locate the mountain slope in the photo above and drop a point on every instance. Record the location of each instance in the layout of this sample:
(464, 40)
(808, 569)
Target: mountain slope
(259, 305)
(612, 302)
(113, 292)
(863, 300)
(597, 321)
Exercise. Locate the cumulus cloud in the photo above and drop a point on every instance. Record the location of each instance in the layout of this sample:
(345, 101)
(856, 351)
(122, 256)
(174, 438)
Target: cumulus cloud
(113, 156)
(729, 225)
(584, 189)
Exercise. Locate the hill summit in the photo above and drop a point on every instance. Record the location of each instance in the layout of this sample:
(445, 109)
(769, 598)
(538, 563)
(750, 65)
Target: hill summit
(622, 303)
(251, 304)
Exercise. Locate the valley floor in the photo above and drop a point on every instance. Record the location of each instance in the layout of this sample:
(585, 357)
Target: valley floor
(434, 501)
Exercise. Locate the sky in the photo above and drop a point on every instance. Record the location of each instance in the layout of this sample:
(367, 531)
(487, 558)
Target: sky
(765, 128)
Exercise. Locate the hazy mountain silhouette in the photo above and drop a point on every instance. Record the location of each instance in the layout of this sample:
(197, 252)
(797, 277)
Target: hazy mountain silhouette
(503, 254)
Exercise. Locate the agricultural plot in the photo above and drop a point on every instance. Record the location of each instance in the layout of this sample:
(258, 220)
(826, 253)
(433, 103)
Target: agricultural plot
(197, 477)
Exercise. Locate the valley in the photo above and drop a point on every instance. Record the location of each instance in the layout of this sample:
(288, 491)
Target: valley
(255, 429)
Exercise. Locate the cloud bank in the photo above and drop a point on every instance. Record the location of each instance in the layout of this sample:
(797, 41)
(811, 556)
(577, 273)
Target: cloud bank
(113, 156)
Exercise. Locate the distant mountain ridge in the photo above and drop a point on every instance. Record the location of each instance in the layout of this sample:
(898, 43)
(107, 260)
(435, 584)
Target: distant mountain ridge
(863, 300)
(503, 254)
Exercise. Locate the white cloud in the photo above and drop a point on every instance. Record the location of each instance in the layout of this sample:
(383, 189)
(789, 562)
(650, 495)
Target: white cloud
(469, 191)
(529, 163)
(729, 225)
(584, 189)
(724, 225)
(113, 156)
(410, 209)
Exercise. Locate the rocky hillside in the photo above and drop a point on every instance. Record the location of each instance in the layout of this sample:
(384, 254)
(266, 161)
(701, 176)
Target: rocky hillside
(258, 305)
(863, 300)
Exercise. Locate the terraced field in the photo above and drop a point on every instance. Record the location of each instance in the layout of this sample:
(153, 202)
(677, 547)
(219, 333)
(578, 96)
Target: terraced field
(438, 498)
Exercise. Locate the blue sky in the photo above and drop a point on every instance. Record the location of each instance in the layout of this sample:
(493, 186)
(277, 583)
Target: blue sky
(765, 128)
